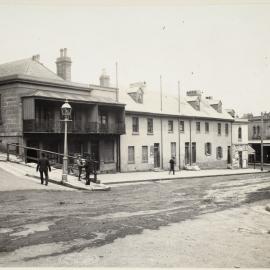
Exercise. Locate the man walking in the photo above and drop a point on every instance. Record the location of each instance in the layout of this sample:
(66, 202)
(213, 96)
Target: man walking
(80, 166)
(172, 163)
(43, 166)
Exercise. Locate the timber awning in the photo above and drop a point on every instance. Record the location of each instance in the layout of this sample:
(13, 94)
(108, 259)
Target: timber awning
(81, 98)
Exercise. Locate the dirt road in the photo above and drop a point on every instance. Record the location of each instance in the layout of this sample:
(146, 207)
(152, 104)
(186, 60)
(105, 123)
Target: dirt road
(210, 222)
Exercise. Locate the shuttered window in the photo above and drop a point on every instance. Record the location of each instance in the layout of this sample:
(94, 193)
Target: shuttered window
(109, 151)
(144, 153)
(131, 154)
(28, 109)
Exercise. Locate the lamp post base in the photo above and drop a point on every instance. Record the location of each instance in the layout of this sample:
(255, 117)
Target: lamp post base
(64, 177)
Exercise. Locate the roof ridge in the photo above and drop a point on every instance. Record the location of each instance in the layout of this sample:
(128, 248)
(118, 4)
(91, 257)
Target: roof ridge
(16, 61)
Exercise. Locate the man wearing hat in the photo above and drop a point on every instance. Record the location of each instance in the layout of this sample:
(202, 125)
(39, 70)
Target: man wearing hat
(80, 166)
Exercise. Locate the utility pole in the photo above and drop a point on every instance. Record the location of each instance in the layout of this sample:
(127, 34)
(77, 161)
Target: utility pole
(161, 124)
(116, 81)
(262, 115)
(179, 132)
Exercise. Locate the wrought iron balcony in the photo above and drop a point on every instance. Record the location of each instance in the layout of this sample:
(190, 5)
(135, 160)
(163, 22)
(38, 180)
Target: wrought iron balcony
(78, 127)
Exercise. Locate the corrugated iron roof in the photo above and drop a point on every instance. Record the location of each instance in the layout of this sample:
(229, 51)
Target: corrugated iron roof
(151, 104)
(72, 97)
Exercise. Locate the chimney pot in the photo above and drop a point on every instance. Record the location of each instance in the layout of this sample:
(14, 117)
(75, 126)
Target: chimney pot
(63, 65)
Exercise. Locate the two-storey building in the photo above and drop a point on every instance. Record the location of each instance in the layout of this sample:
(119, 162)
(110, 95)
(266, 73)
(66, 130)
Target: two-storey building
(258, 127)
(31, 97)
(193, 129)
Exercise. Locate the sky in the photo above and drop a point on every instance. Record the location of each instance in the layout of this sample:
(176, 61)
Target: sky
(221, 48)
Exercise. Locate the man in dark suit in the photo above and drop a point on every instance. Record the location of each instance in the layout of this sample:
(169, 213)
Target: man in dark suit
(43, 166)
(88, 169)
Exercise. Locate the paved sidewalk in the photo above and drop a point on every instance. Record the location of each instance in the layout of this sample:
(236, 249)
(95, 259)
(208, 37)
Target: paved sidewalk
(21, 170)
(116, 178)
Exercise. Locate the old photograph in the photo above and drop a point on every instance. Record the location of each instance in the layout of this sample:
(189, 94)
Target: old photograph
(135, 133)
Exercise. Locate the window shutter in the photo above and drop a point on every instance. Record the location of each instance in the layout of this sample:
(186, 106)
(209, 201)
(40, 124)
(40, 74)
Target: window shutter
(217, 152)
(205, 148)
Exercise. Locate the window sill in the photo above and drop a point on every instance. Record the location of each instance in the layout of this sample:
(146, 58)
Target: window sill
(170, 131)
(135, 133)
(208, 155)
(145, 161)
(150, 133)
(131, 162)
(108, 162)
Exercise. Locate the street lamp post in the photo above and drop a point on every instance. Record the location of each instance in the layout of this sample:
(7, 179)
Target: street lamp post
(66, 112)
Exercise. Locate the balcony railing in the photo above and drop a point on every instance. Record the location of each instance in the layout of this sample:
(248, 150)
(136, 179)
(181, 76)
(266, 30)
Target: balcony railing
(33, 126)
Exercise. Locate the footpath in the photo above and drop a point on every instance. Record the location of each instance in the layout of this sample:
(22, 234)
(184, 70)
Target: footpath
(19, 168)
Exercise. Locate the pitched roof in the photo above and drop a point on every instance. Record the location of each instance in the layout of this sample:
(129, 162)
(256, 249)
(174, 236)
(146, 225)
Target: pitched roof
(151, 104)
(28, 67)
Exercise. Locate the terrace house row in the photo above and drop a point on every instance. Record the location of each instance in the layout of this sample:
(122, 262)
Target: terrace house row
(194, 129)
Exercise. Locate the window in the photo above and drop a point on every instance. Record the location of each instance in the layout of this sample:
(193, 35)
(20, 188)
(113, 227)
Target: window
(149, 125)
(206, 127)
(219, 128)
(103, 119)
(135, 124)
(226, 129)
(173, 149)
(198, 126)
(208, 149)
(182, 126)
(219, 152)
(239, 133)
(144, 153)
(258, 131)
(170, 125)
(131, 154)
(254, 131)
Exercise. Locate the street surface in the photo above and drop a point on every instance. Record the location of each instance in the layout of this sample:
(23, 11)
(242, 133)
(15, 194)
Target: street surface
(200, 222)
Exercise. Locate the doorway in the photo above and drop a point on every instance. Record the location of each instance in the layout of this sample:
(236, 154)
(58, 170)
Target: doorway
(187, 161)
(156, 155)
(229, 155)
(240, 159)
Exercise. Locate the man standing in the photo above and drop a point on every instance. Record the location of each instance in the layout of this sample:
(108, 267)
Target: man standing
(172, 163)
(80, 166)
(88, 169)
(43, 166)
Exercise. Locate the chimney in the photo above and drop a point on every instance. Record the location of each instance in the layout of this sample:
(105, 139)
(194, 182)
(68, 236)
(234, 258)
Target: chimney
(104, 79)
(36, 57)
(63, 65)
